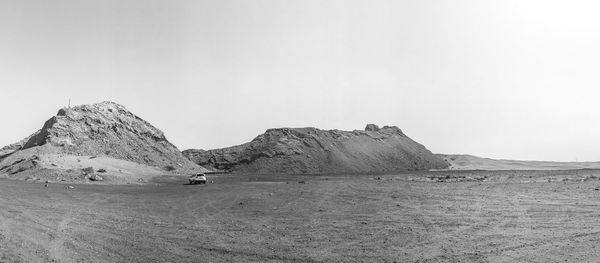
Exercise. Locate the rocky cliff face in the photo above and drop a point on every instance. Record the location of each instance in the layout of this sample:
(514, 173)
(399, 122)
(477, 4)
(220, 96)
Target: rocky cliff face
(108, 129)
(105, 130)
(313, 151)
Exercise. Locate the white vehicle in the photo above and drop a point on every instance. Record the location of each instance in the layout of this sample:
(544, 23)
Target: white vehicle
(198, 179)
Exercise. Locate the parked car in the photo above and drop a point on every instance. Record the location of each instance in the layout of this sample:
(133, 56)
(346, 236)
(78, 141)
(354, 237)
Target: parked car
(198, 179)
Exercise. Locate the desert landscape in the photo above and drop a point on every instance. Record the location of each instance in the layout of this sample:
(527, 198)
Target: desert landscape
(454, 216)
(299, 131)
(70, 194)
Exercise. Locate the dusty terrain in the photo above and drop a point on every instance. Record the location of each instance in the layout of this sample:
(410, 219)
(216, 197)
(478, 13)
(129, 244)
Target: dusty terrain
(470, 162)
(315, 151)
(502, 216)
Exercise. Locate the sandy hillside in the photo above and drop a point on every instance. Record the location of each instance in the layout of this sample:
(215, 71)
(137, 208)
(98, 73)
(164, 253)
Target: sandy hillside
(103, 139)
(314, 151)
(470, 162)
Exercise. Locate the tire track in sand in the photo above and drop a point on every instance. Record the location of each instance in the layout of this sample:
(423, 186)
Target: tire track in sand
(56, 249)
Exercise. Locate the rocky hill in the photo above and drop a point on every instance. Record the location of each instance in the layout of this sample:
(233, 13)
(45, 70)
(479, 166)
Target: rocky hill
(104, 134)
(314, 151)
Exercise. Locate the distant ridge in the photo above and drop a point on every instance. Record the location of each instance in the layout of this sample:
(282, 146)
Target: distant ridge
(315, 151)
(470, 162)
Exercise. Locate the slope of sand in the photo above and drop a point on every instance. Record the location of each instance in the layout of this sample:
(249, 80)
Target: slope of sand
(315, 151)
(35, 165)
(470, 162)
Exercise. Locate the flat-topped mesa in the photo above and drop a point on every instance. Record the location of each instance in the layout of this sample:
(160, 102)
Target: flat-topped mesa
(311, 150)
(107, 129)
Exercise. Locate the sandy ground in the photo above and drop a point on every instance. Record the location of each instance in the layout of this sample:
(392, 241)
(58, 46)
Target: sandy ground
(527, 216)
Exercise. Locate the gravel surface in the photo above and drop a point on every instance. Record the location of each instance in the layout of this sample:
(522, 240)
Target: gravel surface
(508, 216)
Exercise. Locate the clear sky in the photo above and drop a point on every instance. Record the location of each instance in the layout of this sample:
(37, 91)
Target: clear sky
(502, 79)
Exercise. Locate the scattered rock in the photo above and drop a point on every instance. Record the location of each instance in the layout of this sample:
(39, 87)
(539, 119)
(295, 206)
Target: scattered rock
(95, 177)
(88, 170)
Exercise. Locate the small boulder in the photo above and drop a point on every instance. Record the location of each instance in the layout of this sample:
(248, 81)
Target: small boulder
(88, 170)
(372, 127)
(95, 177)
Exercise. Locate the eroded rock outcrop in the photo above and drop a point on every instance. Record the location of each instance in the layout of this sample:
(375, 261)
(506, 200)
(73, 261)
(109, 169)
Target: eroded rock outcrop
(102, 132)
(314, 151)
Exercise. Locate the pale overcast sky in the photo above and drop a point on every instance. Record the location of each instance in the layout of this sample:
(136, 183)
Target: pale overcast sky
(501, 79)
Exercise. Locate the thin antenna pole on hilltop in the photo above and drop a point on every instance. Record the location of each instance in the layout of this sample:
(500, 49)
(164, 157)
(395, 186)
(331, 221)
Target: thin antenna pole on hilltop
(69, 103)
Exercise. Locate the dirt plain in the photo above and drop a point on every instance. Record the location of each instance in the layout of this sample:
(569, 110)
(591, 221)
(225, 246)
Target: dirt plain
(445, 216)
